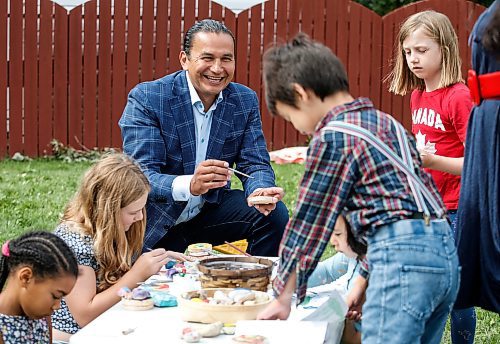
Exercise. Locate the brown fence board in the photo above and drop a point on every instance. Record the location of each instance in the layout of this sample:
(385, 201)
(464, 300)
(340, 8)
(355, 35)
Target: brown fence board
(104, 76)
(268, 38)
(16, 77)
(90, 75)
(61, 75)
(118, 89)
(175, 42)
(147, 40)
(161, 50)
(30, 73)
(61, 85)
(216, 12)
(281, 35)
(75, 125)
(3, 79)
(203, 9)
(189, 14)
(354, 53)
(45, 80)
(133, 22)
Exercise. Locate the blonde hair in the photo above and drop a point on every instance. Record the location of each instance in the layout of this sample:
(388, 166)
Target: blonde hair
(111, 184)
(439, 28)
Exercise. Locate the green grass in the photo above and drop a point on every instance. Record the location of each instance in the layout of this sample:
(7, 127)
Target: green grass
(33, 195)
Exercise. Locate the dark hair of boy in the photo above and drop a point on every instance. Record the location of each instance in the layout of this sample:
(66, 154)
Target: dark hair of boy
(206, 25)
(305, 62)
(46, 254)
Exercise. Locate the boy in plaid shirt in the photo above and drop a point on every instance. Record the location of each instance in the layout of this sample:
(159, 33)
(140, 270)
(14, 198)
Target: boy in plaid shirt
(360, 159)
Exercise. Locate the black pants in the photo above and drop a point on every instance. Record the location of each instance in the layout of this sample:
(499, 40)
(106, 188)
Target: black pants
(230, 220)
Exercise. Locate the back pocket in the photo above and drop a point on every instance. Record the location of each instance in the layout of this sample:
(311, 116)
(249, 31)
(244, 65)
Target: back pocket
(422, 289)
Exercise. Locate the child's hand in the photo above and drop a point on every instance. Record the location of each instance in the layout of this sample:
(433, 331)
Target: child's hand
(150, 263)
(427, 159)
(277, 309)
(180, 257)
(356, 298)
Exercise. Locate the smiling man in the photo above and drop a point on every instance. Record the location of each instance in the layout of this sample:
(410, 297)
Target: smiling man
(186, 130)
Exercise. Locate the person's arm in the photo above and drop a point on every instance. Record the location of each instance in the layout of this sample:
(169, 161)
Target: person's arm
(85, 304)
(443, 163)
(356, 298)
(143, 140)
(459, 107)
(324, 189)
(329, 270)
(280, 307)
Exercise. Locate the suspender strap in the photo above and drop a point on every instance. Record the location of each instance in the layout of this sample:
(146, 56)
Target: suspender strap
(407, 158)
(354, 130)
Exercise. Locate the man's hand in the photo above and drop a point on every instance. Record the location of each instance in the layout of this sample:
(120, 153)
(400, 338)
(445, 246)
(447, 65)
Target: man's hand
(276, 193)
(209, 174)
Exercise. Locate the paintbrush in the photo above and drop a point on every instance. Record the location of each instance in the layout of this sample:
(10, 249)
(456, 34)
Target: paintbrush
(237, 249)
(236, 171)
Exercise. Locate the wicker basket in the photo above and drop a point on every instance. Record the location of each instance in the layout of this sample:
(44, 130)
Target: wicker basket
(236, 272)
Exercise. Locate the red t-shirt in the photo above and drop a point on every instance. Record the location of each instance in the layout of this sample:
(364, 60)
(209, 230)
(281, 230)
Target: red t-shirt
(440, 117)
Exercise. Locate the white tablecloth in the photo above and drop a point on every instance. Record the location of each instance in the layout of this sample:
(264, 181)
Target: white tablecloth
(163, 325)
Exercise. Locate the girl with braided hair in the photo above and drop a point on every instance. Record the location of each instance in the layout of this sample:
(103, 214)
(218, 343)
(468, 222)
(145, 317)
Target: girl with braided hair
(36, 271)
(104, 225)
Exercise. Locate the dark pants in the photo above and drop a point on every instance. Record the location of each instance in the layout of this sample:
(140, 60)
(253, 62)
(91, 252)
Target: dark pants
(230, 220)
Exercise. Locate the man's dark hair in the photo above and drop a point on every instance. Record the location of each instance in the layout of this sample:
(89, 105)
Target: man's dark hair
(46, 254)
(305, 62)
(206, 25)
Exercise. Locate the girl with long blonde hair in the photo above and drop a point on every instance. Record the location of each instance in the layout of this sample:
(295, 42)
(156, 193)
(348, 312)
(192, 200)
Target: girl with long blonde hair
(427, 64)
(104, 225)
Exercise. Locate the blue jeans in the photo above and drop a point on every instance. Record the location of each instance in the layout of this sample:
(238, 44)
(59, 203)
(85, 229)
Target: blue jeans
(463, 321)
(414, 278)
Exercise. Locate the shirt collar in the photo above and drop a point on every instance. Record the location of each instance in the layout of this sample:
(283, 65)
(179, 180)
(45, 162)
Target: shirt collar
(356, 105)
(195, 98)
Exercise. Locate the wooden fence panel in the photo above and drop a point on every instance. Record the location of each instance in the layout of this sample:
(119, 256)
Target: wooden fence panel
(175, 42)
(104, 75)
(66, 76)
(75, 126)
(16, 77)
(281, 35)
(45, 80)
(30, 123)
(133, 24)
(90, 75)
(118, 91)
(147, 40)
(268, 38)
(3, 79)
(61, 75)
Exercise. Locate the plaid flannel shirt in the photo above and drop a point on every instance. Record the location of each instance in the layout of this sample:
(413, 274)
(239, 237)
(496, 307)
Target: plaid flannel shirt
(346, 172)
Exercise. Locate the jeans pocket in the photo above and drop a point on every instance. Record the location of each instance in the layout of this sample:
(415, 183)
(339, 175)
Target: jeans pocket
(422, 288)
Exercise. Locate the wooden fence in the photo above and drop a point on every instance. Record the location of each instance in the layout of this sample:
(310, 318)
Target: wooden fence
(66, 76)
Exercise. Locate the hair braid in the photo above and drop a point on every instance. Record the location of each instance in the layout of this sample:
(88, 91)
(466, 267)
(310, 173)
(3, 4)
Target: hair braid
(46, 253)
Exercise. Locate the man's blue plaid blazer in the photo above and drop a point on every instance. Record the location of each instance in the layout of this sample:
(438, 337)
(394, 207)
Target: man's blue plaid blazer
(158, 131)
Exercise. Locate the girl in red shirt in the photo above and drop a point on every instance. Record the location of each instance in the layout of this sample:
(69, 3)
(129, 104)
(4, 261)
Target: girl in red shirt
(428, 63)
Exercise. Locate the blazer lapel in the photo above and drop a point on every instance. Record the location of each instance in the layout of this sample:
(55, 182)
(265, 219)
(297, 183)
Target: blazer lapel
(182, 112)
